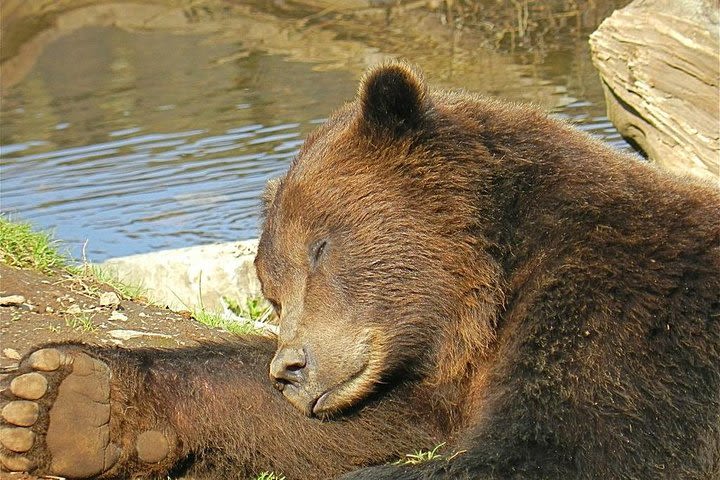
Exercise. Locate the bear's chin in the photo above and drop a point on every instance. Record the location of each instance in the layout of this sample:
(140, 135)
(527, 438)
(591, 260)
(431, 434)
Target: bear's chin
(318, 402)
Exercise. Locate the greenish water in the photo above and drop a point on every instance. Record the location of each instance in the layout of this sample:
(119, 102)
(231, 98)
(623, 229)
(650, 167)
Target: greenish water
(136, 141)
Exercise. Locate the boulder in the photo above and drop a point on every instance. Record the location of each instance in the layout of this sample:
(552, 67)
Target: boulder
(192, 277)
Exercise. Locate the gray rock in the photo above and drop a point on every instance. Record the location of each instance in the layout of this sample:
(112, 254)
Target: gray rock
(12, 300)
(109, 299)
(187, 278)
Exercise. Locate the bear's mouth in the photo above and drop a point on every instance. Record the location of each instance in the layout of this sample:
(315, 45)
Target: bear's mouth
(322, 403)
(342, 395)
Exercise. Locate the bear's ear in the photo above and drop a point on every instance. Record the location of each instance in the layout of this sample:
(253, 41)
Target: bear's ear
(393, 98)
(268, 196)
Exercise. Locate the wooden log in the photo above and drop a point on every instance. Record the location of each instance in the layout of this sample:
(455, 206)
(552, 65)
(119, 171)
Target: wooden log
(660, 68)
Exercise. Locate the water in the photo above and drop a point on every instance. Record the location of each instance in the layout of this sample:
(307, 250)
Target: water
(126, 142)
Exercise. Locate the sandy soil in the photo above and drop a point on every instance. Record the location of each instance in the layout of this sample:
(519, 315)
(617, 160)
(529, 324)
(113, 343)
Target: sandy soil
(63, 307)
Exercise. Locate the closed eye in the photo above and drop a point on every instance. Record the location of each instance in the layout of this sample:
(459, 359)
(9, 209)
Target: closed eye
(318, 251)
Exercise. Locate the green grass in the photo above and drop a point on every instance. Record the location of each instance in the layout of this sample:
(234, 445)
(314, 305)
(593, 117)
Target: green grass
(81, 322)
(101, 275)
(269, 476)
(421, 456)
(22, 247)
(214, 320)
(255, 308)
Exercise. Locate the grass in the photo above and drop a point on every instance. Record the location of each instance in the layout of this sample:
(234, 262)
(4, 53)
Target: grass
(215, 320)
(22, 247)
(81, 322)
(269, 476)
(101, 275)
(256, 309)
(421, 456)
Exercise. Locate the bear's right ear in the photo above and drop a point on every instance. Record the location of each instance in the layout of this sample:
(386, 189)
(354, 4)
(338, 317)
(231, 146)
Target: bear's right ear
(268, 196)
(393, 99)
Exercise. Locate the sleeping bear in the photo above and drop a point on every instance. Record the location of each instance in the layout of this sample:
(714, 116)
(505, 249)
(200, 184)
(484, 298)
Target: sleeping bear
(450, 272)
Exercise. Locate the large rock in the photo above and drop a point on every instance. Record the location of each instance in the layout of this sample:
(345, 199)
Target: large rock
(660, 67)
(188, 278)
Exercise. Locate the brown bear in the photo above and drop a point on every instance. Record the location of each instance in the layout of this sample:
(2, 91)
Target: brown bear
(447, 270)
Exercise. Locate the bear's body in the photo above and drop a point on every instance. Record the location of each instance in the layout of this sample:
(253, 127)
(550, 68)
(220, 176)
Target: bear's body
(446, 269)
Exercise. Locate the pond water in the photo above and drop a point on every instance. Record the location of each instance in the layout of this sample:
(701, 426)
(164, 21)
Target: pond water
(124, 142)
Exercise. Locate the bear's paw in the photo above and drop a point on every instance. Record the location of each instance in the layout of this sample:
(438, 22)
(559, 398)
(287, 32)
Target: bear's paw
(55, 418)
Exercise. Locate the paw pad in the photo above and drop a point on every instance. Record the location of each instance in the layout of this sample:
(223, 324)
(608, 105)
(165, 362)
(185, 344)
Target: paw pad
(30, 386)
(17, 439)
(58, 419)
(21, 413)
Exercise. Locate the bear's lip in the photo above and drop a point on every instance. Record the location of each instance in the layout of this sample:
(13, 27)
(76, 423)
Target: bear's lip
(331, 400)
(328, 401)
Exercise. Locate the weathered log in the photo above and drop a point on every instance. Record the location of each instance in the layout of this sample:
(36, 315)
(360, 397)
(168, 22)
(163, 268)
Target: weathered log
(660, 67)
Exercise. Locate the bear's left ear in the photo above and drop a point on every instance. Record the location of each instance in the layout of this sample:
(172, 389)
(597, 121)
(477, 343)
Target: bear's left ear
(393, 98)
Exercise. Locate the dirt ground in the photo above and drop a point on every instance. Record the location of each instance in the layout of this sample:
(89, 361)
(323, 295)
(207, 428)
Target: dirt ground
(62, 307)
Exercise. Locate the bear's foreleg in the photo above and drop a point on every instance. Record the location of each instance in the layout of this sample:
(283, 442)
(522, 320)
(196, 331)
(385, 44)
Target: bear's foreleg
(80, 411)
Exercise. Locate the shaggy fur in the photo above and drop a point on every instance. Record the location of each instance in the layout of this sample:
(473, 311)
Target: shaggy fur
(453, 269)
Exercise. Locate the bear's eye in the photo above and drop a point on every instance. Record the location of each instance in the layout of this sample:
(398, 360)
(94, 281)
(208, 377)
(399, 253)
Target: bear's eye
(317, 252)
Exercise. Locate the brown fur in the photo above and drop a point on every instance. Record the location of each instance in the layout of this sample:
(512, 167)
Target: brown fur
(453, 269)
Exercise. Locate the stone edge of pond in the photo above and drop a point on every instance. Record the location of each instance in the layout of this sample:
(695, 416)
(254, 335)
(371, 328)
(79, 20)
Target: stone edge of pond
(192, 277)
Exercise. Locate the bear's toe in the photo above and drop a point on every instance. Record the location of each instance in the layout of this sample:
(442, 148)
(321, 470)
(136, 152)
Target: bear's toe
(58, 416)
(21, 413)
(30, 386)
(55, 418)
(16, 464)
(48, 359)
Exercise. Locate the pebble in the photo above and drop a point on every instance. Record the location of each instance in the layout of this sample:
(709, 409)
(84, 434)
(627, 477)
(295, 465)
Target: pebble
(115, 315)
(12, 300)
(109, 299)
(12, 353)
(129, 334)
(49, 309)
(74, 310)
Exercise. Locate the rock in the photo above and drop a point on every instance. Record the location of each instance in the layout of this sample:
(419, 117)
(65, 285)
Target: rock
(109, 299)
(12, 354)
(74, 310)
(12, 301)
(129, 334)
(658, 60)
(117, 316)
(186, 278)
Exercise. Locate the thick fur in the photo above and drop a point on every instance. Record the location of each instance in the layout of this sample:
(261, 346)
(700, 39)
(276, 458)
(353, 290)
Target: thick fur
(544, 305)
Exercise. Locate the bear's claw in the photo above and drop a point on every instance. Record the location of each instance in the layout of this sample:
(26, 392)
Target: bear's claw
(57, 419)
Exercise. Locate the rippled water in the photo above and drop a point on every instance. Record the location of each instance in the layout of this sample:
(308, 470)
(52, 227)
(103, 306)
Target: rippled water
(139, 141)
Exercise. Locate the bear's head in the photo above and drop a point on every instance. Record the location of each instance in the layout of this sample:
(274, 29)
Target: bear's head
(370, 249)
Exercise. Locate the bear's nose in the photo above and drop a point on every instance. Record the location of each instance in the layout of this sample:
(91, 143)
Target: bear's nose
(287, 365)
